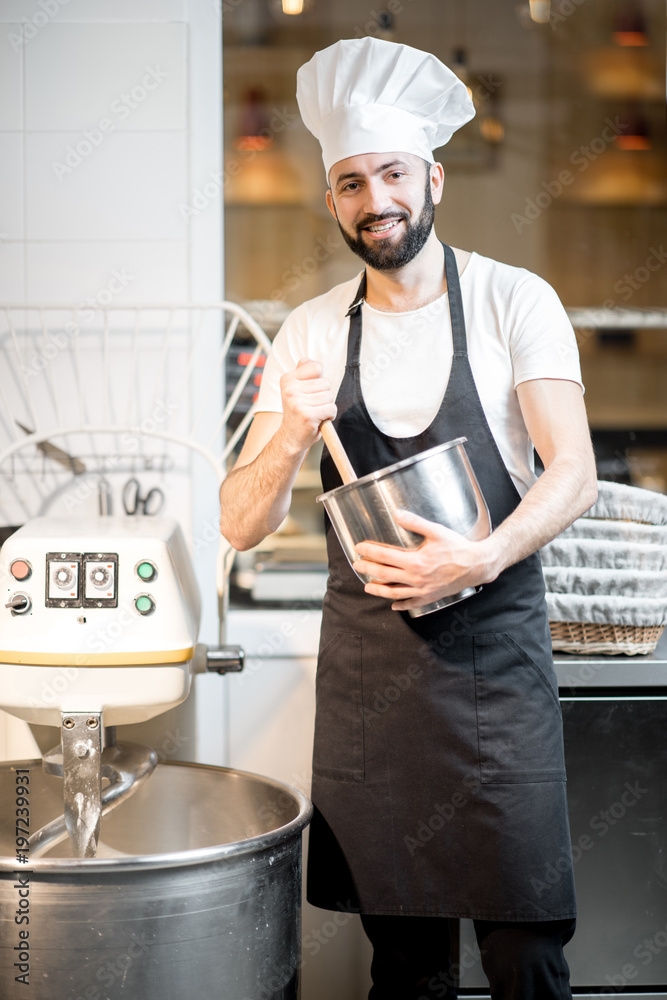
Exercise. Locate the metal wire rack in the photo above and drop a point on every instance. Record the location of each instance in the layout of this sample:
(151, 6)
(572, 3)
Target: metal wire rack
(88, 395)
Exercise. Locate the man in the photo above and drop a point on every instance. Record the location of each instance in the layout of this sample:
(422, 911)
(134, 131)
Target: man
(445, 798)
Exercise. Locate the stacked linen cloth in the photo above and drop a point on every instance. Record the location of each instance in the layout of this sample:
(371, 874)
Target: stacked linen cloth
(606, 575)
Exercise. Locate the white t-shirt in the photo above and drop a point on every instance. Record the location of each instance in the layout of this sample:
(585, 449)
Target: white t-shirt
(517, 330)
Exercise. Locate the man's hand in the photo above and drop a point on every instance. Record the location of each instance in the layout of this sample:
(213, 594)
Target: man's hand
(307, 401)
(444, 564)
(255, 496)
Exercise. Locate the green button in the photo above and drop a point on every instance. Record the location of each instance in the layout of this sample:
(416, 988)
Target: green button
(146, 570)
(144, 604)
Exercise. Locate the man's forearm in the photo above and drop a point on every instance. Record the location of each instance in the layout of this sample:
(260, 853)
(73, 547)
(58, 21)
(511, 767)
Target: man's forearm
(562, 493)
(255, 498)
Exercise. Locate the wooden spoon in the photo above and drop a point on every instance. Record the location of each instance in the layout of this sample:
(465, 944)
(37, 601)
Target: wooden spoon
(338, 453)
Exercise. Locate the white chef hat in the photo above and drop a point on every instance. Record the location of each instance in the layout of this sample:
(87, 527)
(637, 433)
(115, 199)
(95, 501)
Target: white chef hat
(366, 95)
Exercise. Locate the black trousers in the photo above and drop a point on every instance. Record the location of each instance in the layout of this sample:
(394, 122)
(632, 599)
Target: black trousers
(522, 961)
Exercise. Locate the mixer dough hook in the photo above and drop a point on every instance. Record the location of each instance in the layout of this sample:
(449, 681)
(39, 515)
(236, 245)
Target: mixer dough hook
(87, 754)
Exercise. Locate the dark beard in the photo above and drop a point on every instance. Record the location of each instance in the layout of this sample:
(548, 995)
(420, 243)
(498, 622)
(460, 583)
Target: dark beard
(392, 257)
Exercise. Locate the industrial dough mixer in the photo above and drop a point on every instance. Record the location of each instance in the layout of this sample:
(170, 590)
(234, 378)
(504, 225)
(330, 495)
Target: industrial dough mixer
(121, 875)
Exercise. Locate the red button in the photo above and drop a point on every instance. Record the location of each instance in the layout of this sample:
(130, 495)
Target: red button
(20, 569)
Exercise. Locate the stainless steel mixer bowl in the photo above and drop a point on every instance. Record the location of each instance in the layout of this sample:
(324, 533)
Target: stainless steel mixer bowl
(196, 892)
(438, 484)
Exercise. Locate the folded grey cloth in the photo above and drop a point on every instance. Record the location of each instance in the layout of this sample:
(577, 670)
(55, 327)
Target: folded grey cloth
(610, 566)
(606, 582)
(606, 553)
(615, 531)
(621, 502)
(604, 609)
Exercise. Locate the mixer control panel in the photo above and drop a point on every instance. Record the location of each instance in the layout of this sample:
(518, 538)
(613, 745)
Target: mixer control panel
(63, 580)
(75, 579)
(100, 572)
(96, 615)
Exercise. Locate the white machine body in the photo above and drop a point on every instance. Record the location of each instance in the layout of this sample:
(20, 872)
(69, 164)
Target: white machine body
(103, 616)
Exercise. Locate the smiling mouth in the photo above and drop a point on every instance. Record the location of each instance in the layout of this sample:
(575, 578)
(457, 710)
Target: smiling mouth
(381, 228)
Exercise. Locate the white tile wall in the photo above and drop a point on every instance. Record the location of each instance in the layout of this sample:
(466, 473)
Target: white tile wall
(63, 66)
(73, 272)
(138, 73)
(126, 10)
(11, 188)
(11, 272)
(67, 65)
(10, 80)
(128, 187)
(42, 13)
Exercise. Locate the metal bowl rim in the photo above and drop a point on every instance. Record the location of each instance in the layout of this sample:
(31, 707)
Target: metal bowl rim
(174, 859)
(381, 473)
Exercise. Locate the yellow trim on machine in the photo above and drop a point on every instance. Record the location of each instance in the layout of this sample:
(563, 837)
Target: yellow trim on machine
(97, 659)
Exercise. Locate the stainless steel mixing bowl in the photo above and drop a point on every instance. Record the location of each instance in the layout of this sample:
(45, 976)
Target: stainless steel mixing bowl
(438, 484)
(195, 892)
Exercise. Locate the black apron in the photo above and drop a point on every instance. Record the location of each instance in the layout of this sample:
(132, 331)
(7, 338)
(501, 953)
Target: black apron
(438, 770)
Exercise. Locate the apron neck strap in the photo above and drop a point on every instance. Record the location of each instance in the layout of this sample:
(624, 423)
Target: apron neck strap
(354, 335)
(359, 297)
(459, 339)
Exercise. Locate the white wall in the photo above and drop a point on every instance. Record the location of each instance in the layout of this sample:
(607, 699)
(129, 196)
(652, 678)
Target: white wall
(110, 120)
(100, 143)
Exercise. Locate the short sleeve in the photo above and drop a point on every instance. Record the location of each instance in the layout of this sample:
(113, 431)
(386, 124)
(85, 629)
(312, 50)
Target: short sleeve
(288, 347)
(541, 338)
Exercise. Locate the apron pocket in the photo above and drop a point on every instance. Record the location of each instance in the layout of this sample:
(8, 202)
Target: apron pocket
(519, 721)
(339, 723)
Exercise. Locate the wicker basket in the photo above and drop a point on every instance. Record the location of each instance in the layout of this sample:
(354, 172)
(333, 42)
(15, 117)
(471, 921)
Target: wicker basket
(589, 637)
